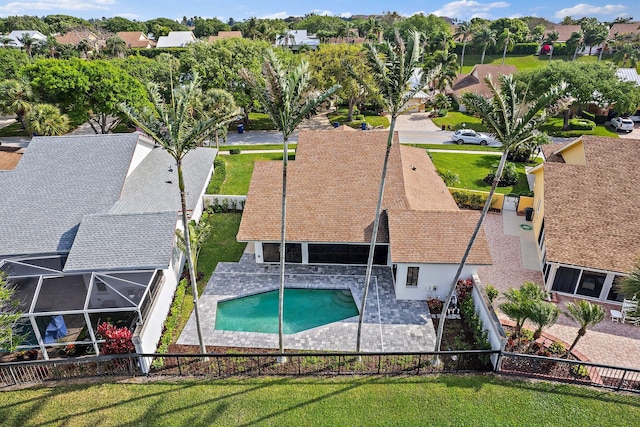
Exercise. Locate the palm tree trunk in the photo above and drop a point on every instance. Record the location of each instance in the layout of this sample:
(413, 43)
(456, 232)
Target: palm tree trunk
(575, 53)
(485, 209)
(581, 332)
(483, 52)
(464, 46)
(551, 53)
(504, 53)
(374, 234)
(285, 162)
(187, 250)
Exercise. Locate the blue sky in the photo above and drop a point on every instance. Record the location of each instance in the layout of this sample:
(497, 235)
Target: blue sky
(553, 10)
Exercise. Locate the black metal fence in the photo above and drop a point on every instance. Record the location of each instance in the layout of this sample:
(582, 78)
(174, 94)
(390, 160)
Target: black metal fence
(572, 371)
(329, 364)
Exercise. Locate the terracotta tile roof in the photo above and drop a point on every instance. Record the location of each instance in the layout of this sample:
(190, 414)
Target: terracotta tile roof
(564, 31)
(474, 81)
(592, 212)
(74, 37)
(225, 35)
(332, 189)
(437, 237)
(135, 39)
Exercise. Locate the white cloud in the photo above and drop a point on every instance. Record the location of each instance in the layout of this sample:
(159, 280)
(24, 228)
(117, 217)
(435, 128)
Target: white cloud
(323, 12)
(130, 16)
(584, 9)
(346, 15)
(466, 9)
(21, 7)
(277, 15)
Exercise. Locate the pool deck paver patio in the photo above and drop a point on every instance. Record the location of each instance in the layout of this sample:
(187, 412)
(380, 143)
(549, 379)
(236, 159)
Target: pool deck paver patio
(389, 325)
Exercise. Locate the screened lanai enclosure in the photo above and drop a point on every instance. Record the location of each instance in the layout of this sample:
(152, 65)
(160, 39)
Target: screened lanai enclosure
(63, 310)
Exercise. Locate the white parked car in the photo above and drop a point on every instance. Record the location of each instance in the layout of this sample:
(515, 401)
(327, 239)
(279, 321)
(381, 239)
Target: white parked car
(469, 136)
(622, 123)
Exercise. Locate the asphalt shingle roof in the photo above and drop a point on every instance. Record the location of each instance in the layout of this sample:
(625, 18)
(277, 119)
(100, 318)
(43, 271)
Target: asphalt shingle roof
(131, 241)
(57, 182)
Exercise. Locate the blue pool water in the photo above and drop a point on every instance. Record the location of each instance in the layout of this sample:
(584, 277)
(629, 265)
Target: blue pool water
(303, 309)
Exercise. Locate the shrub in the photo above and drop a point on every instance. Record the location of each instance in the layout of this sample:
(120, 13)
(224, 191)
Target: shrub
(525, 49)
(450, 178)
(443, 112)
(435, 305)
(579, 371)
(581, 124)
(492, 292)
(455, 106)
(520, 154)
(171, 323)
(589, 116)
(234, 151)
(600, 120)
(219, 175)
(461, 197)
(117, 340)
(509, 175)
(526, 334)
(557, 348)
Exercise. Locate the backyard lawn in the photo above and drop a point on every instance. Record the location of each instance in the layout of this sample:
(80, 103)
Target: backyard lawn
(456, 147)
(471, 168)
(522, 62)
(239, 168)
(253, 147)
(434, 400)
(553, 127)
(340, 116)
(455, 119)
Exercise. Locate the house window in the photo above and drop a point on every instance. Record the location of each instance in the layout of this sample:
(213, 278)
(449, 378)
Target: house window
(613, 292)
(565, 280)
(412, 276)
(591, 284)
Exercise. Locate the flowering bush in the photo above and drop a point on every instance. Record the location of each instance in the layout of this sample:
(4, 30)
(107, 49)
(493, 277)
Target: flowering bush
(463, 287)
(117, 340)
(435, 305)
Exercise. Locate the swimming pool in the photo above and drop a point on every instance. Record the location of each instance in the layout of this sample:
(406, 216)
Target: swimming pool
(303, 309)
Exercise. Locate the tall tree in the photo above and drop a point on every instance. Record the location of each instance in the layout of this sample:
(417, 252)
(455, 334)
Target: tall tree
(46, 119)
(506, 40)
(550, 40)
(587, 315)
(16, 97)
(576, 42)
(393, 65)
(627, 54)
(28, 42)
(513, 122)
(594, 32)
(116, 47)
(447, 66)
(284, 95)
(463, 32)
(485, 37)
(327, 66)
(179, 127)
(221, 103)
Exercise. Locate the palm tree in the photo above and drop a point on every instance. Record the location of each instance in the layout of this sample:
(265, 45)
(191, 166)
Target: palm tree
(46, 119)
(519, 303)
(586, 314)
(392, 66)
(440, 41)
(627, 53)
(463, 32)
(374, 26)
(513, 122)
(16, 97)
(221, 103)
(447, 63)
(552, 37)
(484, 37)
(507, 42)
(84, 46)
(27, 41)
(576, 42)
(116, 46)
(6, 41)
(630, 285)
(285, 96)
(179, 127)
(607, 41)
(198, 234)
(543, 315)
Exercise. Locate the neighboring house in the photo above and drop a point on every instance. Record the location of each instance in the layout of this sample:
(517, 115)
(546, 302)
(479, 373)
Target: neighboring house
(628, 32)
(295, 39)
(176, 39)
(421, 97)
(474, 81)
(77, 36)
(222, 35)
(15, 35)
(332, 192)
(136, 39)
(586, 215)
(564, 34)
(89, 235)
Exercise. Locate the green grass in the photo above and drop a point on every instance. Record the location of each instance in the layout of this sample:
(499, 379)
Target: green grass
(257, 121)
(239, 168)
(454, 120)
(434, 400)
(522, 62)
(255, 147)
(553, 126)
(471, 168)
(340, 116)
(14, 129)
(220, 246)
(465, 147)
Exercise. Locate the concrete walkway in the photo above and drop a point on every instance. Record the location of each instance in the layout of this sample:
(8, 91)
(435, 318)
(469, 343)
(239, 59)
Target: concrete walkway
(516, 261)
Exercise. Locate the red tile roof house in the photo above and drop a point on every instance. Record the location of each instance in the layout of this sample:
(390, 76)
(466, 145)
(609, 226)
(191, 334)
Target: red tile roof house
(332, 191)
(586, 215)
(136, 39)
(474, 81)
